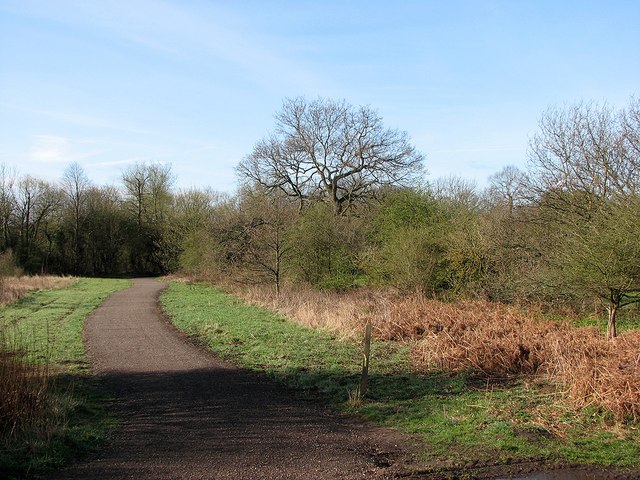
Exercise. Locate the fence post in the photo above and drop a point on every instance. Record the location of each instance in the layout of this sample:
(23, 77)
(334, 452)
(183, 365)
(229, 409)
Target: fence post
(364, 378)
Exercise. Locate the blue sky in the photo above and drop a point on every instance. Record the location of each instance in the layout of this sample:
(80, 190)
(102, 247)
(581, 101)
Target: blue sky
(196, 83)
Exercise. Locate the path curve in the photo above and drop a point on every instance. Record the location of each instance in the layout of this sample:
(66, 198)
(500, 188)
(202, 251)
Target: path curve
(187, 415)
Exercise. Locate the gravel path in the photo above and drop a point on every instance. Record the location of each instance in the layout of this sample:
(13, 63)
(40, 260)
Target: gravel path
(187, 415)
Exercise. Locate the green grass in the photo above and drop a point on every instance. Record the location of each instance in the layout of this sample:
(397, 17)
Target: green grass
(628, 318)
(460, 418)
(48, 324)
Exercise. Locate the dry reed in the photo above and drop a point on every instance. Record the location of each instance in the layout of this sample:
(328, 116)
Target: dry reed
(25, 401)
(15, 287)
(342, 314)
(23, 388)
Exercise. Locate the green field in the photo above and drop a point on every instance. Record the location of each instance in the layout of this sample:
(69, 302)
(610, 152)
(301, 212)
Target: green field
(461, 418)
(48, 326)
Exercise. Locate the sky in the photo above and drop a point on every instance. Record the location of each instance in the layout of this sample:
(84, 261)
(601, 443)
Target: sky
(196, 83)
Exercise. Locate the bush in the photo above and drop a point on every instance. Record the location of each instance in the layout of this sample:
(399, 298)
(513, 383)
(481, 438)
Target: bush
(409, 244)
(323, 248)
(201, 254)
(8, 266)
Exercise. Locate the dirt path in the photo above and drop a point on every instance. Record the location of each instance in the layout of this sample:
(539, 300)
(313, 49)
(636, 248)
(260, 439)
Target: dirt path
(187, 415)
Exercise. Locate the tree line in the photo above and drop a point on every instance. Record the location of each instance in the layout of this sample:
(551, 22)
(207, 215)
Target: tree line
(335, 199)
(75, 227)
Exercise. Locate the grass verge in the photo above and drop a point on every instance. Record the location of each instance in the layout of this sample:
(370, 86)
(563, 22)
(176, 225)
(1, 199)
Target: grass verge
(58, 415)
(463, 420)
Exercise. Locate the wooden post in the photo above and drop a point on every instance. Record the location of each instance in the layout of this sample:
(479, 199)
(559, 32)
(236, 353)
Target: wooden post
(364, 379)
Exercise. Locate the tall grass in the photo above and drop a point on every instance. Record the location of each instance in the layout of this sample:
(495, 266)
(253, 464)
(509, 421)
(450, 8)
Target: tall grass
(47, 414)
(24, 380)
(493, 339)
(343, 314)
(25, 387)
(13, 288)
(28, 410)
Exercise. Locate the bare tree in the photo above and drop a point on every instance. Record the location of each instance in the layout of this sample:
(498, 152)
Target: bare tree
(331, 151)
(136, 179)
(507, 187)
(106, 230)
(581, 149)
(457, 192)
(161, 180)
(149, 199)
(266, 221)
(7, 203)
(36, 201)
(148, 188)
(75, 187)
(630, 120)
(584, 174)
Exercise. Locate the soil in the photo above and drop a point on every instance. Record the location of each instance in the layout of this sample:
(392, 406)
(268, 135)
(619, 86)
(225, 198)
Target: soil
(185, 414)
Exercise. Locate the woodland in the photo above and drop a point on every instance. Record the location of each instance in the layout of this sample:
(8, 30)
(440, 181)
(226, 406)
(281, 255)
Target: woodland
(334, 199)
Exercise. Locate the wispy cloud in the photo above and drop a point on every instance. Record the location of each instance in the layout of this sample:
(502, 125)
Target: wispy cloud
(78, 119)
(172, 29)
(54, 149)
(49, 148)
(477, 149)
(115, 163)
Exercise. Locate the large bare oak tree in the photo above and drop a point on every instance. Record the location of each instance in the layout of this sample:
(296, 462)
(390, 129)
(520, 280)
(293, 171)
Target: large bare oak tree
(332, 151)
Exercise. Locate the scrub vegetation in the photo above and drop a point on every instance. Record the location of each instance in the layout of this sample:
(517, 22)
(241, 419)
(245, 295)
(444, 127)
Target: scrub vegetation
(491, 339)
